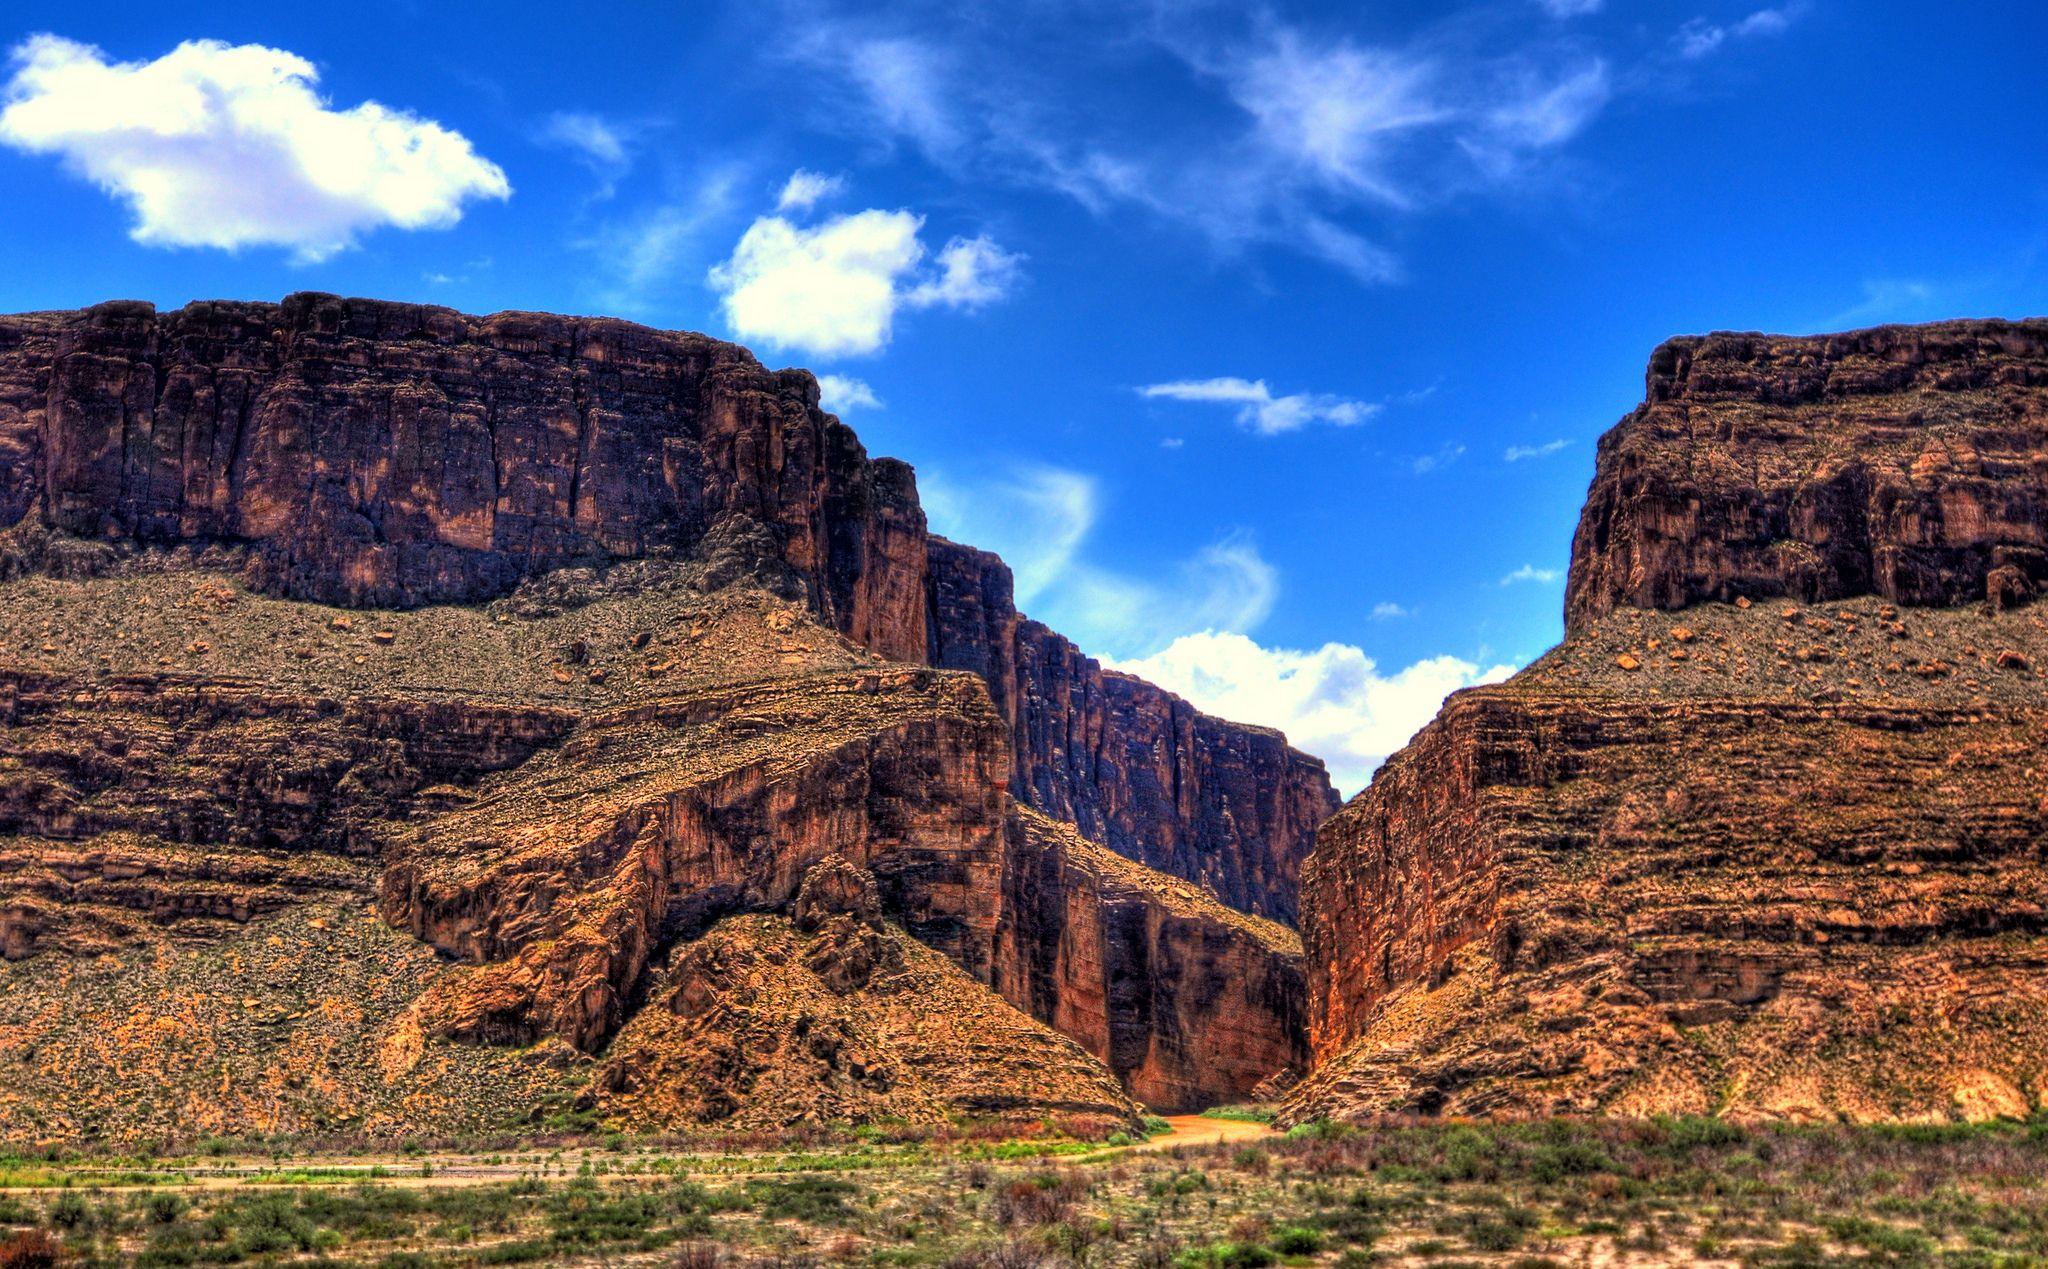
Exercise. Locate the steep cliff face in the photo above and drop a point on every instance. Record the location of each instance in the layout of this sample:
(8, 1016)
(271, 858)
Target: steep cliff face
(1229, 806)
(292, 842)
(392, 455)
(268, 866)
(1190, 1002)
(1908, 462)
(1759, 857)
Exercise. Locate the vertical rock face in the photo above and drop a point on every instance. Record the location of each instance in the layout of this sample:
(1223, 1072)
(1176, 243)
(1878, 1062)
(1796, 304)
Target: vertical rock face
(371, 453)
(1230, 806)
(1905, 462)
(1190, 1002)
(1776, 856)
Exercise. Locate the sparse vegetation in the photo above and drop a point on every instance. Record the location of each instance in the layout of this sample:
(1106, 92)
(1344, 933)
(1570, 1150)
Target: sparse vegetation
(1525, 1194)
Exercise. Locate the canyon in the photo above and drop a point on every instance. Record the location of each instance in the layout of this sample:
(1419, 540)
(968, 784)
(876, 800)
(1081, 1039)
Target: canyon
(414, 722)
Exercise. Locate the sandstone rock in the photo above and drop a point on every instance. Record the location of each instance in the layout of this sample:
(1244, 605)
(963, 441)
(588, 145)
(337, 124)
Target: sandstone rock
(1770, 892)
(374, 453)
(1897, 462)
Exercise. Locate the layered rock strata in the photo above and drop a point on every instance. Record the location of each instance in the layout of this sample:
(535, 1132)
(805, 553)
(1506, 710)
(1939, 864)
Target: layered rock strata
(378, 454)
(1776, 856)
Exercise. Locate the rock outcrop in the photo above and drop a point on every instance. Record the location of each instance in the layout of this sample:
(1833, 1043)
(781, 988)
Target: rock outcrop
(1775, 856)
(392, 455)
(417, 723)
(1190, 1002)
(1905, 462)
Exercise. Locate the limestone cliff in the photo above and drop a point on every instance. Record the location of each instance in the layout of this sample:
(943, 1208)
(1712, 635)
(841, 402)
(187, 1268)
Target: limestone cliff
(1776, 853)
(417, 723)
(378, 454)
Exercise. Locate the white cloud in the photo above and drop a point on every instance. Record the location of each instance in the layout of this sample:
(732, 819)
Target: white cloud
(1530, 573)
(639, 256)
(1387, 610)
(1446, 454)
(1892, 300)
(843, 394)
(217, 145)
(1035, 517)
(1571, 8)
(1700, 37)
(1333, 702)
(834, 289)
(1285, 135)
(595, 139)
(1521, 453)
(1338, 108)
(1040, 519)
(903, 79)
(1552, 112)
(1259, 409)
(972, 272)
(805, 189)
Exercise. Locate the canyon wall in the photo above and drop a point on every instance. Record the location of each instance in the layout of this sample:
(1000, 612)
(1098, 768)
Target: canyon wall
(1763, 835)
(1905, 462)
(379, 454)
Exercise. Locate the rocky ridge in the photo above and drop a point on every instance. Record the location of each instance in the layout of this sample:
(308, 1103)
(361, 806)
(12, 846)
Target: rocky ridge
(368, 453)
(683, 813)
(1763, 836)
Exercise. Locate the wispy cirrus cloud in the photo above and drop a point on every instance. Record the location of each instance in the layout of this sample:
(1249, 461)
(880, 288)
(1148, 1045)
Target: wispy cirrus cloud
(1530, 573)
(1523, 453)
(1259, 409)
(1287, 135)
(1042, 519)
(232, 146)
(1698, 38)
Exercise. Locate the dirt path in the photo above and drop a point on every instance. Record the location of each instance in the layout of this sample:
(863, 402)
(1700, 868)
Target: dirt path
(1201, 1130)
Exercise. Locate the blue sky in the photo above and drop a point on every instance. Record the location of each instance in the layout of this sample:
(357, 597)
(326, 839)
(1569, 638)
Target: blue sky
(1269, 343)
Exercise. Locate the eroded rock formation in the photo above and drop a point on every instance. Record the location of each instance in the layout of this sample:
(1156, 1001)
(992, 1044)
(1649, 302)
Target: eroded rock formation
(689, 809)
(1780, 855)
(370, 453)
(1905, 462)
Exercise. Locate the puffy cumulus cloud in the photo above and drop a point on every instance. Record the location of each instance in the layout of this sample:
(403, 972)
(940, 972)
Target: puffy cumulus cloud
(843, 394)
(1334, 702)
(972, 272)
(1040, 520)
(218, 145)
(805, 189)
(1259, 409)
(834, 289)
(1530, 573)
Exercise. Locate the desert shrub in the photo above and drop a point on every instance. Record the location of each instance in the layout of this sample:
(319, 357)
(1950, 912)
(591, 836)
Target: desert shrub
(1046, 1198)
(163, 1207)
(1225, 1256)
(813, 1200)
(69, 1211)
(1009, 1254)
(31, 1249)
(1295, 1240)
(699, 1255)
